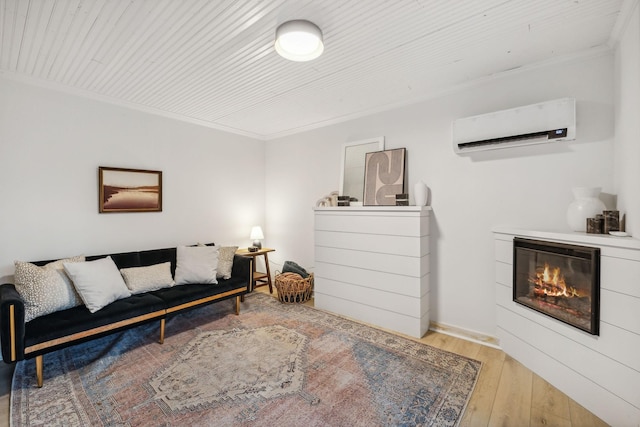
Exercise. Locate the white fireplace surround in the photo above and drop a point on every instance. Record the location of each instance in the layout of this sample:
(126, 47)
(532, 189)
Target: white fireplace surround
(602, 373)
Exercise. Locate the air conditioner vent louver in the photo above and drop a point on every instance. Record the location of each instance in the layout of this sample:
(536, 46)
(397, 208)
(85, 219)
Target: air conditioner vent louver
(532, 124)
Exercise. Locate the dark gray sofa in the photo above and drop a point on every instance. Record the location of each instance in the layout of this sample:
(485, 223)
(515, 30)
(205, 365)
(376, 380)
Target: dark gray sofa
(20, 340)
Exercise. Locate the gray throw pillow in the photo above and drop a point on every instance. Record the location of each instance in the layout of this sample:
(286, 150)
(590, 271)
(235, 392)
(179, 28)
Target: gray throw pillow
(149, 278)
(45, 289)
(225, 261)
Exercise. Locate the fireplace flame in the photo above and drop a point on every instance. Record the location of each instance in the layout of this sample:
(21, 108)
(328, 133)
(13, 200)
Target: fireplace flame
(550, 282)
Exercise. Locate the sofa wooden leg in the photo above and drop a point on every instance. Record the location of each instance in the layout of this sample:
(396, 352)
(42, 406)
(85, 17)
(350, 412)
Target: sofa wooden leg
(39, 367)
(237, 306)
(162, 331)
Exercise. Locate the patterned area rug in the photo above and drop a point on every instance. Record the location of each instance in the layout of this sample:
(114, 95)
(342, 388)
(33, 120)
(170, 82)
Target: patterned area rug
(274, 364)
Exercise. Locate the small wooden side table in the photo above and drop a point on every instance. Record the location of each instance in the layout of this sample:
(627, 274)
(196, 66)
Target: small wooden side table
(258, 277)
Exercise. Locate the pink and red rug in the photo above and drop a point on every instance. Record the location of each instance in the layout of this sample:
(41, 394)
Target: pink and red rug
(274, 364)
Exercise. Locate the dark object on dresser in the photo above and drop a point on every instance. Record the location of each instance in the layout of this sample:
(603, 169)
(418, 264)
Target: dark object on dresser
(33, 339)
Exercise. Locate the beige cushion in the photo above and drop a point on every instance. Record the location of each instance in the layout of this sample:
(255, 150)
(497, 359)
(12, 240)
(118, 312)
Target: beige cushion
(196, 264)
(150, 278)
(98, 282)
(225, 261)
(45, 289)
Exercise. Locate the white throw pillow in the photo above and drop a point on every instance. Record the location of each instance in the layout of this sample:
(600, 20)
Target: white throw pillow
(225, 261)
(196, 264)
(150, 278)
(45, 289)
(98, 282)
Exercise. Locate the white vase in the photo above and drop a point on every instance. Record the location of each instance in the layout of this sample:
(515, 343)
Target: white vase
(586, 204)
(420, 192)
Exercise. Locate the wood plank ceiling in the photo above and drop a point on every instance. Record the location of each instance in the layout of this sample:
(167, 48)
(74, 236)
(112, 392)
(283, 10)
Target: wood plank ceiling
(212, 61)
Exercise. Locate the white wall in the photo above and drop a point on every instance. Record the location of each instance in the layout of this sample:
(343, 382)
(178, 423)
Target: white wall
(51, 145)
(525, 187)
(627, 106)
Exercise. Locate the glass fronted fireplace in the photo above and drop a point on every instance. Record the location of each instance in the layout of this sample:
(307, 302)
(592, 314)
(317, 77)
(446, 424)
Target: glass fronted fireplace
(559, 280)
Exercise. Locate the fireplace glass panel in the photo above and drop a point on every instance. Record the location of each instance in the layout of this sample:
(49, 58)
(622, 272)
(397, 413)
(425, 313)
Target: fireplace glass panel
(559, 280)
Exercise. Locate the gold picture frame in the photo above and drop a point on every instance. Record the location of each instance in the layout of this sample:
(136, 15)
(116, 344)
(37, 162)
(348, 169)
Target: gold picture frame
(129, 190)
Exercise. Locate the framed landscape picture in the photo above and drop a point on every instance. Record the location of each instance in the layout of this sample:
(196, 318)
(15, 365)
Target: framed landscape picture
(384, 177)
(129, 190)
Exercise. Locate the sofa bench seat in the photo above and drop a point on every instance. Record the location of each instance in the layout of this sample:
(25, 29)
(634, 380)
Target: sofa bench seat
(46, 333)
(182, 297)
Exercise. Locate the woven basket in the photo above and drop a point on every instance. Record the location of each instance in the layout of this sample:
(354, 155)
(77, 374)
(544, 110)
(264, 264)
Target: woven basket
(292, 288)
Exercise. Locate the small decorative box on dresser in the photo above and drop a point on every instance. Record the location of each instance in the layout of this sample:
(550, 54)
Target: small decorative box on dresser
(372, 264)
(600, 372)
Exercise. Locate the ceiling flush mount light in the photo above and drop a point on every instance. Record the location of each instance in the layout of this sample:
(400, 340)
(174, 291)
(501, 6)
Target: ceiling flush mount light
(299, 40)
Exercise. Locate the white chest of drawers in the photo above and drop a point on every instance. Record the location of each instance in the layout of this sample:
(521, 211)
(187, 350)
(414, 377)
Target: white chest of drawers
(372, 264)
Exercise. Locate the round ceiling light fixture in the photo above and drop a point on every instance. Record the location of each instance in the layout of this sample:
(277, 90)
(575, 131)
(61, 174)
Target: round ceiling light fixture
(299, 40)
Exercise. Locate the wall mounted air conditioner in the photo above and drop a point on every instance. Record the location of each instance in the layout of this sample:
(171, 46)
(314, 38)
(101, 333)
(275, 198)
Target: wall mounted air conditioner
(532, 124)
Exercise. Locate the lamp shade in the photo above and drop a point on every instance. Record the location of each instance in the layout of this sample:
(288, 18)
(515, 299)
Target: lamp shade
(256, 236)
(256, 233)
(299, 40)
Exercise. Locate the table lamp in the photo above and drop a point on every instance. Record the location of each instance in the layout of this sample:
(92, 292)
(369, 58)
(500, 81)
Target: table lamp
(256, 236)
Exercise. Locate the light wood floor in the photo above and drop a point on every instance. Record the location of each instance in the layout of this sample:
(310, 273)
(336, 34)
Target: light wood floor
(506, 394)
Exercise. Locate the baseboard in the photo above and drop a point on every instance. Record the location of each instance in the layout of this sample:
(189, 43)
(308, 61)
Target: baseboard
(465, 334)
